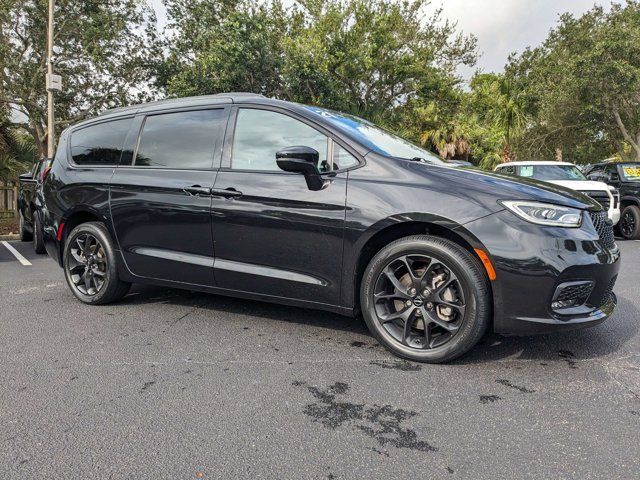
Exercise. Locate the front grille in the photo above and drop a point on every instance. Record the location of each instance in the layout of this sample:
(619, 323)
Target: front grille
(601, 197)
(604, 227)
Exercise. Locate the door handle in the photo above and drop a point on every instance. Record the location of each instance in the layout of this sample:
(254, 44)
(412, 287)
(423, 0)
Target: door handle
(226, 192)
(197, 190)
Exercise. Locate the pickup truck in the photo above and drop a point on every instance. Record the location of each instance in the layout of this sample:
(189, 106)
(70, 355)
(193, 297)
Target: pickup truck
(567, 175)
(625, 177)
(30, 228)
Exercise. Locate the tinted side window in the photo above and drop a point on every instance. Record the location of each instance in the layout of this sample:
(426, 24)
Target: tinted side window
(594, 172)
(612, 173)
(99, 144)
(181, 140)
(510, 170)
(259, 134)
(342, 159)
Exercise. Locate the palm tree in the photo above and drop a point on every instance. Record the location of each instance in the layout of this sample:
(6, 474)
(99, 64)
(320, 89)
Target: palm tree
(17, 151)
(447, 136)
(505, 108)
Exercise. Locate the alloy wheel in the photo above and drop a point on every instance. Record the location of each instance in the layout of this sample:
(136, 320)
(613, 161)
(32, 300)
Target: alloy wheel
(419, 301)
(627, 224)
(87, 264)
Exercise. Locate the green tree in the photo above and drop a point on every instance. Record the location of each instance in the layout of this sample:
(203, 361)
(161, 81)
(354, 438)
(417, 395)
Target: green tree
(365, 57)
(102, 50)
(373, 56)
(17, 151)
(240, 49)
(583, 85)
(497, 101)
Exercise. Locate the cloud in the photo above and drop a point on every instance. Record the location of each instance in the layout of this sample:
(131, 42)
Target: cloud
(505, 26)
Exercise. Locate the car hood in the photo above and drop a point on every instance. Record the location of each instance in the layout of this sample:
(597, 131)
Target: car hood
(581, 185)
(491, 187)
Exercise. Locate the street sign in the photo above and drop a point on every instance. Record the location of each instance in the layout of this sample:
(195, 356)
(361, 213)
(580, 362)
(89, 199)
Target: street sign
(54, 82)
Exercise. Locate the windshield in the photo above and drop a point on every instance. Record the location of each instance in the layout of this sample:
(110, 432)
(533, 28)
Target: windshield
(552, 172)
(631, 172)
(376, 138)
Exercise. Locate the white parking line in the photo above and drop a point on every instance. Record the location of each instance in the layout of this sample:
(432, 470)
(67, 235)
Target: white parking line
(16, 254)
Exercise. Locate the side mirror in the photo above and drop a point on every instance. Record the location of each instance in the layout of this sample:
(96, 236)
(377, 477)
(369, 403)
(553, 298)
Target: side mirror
(26, 177)
(302, 160)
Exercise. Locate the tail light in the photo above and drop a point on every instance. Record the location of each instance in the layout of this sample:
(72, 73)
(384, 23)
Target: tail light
(45, 170)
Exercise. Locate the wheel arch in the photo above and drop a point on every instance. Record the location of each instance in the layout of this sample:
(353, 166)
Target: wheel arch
(78, 215)
(625, 201)
(399, 226)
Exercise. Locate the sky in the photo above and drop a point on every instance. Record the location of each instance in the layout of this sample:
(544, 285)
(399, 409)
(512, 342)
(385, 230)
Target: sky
(501, 26)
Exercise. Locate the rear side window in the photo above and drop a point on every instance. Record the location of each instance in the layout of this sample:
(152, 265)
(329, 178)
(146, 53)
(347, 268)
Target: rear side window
(99, 144)
(185, 140)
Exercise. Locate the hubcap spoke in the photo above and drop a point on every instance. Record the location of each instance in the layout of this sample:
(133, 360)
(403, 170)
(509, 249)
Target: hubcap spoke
(449, 326)
(87, 245)
(419, 301)
(86, 264)
(408, 263)
(402, 314)
(406, 328)
(427, 328)
(400, 289)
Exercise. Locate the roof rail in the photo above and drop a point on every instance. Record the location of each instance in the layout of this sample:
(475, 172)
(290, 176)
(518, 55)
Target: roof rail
(230, 95)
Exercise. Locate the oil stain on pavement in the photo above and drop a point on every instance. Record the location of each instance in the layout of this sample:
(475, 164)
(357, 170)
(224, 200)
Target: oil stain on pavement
(382, 423)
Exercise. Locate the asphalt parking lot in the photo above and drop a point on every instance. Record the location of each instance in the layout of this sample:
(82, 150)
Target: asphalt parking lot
(173, 384)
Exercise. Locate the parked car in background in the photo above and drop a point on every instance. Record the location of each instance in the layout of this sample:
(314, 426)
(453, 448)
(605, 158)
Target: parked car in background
(568, 175)
(252, 197)
(626, 178)
(30, 227)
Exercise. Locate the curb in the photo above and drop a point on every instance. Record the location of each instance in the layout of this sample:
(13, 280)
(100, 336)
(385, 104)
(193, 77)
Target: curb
(13, 236)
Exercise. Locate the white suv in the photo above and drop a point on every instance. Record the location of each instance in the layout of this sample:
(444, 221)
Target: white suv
(567, 175)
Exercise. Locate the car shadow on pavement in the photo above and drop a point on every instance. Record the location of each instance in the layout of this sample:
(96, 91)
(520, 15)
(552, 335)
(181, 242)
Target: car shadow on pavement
(599, 341)
(602, 340)
(143, 294)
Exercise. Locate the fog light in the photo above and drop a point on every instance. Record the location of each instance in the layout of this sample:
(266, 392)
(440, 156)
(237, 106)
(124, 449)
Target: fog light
(563, 304)
(571, 294)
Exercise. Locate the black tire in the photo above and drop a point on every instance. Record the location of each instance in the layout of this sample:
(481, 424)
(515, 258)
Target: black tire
(103, 259)
(38, 240)
(466, 276)
(629, 224)
(25, 235)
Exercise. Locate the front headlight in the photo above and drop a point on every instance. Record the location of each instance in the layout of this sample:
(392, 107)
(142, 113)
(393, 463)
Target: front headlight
(545, 213)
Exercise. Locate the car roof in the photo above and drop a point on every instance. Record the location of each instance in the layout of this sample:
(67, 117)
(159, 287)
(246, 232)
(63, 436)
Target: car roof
(535, 162)
(232, 97)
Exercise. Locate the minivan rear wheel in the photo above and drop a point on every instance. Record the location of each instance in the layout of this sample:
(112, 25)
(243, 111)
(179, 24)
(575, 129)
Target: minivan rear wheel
(426, 299)
(90, 265)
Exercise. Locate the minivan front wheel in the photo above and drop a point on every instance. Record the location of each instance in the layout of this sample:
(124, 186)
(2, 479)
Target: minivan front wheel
(90, 265)
(426, 299)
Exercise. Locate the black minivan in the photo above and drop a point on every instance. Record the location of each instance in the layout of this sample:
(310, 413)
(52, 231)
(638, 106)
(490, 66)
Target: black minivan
(242, 195)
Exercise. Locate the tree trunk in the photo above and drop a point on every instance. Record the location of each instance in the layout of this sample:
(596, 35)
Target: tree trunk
(634, 142)
(558, 154)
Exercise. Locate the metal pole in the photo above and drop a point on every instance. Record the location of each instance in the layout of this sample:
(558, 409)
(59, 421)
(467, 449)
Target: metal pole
(50, 116)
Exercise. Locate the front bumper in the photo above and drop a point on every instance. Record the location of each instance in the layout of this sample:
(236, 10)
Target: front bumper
(532, 260)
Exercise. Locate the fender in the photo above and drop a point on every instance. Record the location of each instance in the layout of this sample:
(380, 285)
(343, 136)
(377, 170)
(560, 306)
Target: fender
(630, 199)
(353, 250)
